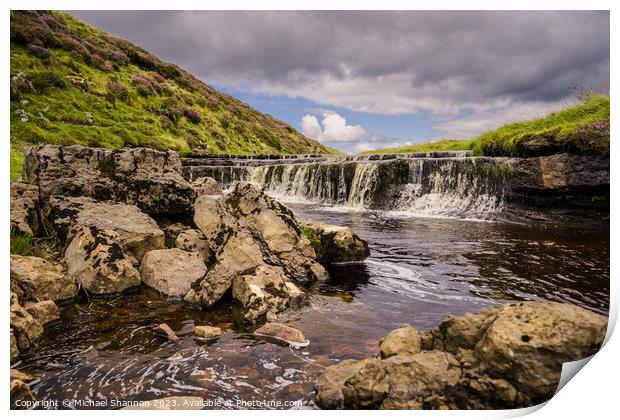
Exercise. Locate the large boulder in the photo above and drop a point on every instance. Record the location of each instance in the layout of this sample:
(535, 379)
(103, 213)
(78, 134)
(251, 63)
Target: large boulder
(334, 244)
(24, 208)
(96, 258)
(33, 278)
(26, 329)
(148, 178)
(259, 252)
(172, 271)
(502, 358)
(137, 232)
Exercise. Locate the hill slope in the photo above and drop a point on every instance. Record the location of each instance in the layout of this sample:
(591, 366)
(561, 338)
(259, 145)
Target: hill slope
(74, 84)
(580, 129)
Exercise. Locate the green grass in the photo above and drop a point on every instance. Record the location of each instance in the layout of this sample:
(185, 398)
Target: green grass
(17, 159)
(85, 94)
(21, 244)
(435, 146)
(579, 129)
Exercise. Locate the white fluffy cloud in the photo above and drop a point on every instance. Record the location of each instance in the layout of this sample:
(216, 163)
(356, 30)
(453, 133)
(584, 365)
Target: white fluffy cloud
(334, 128)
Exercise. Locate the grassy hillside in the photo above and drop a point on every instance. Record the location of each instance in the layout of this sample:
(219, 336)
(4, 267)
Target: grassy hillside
(74, 84)
(581, 129)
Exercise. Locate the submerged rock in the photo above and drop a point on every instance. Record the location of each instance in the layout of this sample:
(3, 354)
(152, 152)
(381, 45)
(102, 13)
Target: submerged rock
(334, 244)
(45, 311)
(33, 278)
(282, 333)
(97, 260)
(148, 178)
(172, 271)
(163, 330)
(501, 358)
(206, 331)
(258, 249)
(24, 208)
(137, 232)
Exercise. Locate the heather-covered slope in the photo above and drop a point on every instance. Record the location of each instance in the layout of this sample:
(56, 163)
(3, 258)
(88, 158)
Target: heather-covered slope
(74, 84)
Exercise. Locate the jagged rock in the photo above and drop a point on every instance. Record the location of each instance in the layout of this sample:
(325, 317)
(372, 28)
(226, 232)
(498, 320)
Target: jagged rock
(265, 289)
(164, 330)
(33, 278)
(501, 358)
(172, 271)
(45, 311)
(257, 246)
(26, 329)
(206, 186)
(20, 395)
(334, 244)
(193, 240)
(148, 178)
(24, 208)
(14, 348)
(403, 341)
(282, 333)
(96, 258)
(137, 232)
(206, 331)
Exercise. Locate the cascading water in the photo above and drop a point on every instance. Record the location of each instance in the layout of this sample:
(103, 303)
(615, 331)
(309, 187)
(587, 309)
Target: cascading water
(467, 187)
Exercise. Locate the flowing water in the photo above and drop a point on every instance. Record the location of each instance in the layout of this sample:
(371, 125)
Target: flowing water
(420, 270)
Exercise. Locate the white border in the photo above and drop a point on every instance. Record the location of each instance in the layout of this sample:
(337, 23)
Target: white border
(592, 395)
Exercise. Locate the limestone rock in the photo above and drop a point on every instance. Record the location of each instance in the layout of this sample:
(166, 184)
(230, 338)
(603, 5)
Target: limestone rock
(527, 343)
(403, 341)
(172, 271)
(44, 312)
(148, 178)
(24, 208)
(138, 233)
(334, 244)
(97, 260)
(164, 330)
(26, 329)
(22, 376)
(253, 237)
(500, 358)
(14, 348)
(206, 186)
(193, 240)
(33, 278)
(265, 289)
(282, 333)
(206, 331)
(20, 391)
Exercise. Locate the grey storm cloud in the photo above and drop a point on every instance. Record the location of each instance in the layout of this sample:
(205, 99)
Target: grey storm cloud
(382, 62)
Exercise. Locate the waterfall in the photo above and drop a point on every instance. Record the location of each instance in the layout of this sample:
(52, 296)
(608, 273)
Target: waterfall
(467, 187)
(442, 184)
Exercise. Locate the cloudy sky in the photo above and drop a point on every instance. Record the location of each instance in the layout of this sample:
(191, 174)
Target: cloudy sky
(365, 80)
